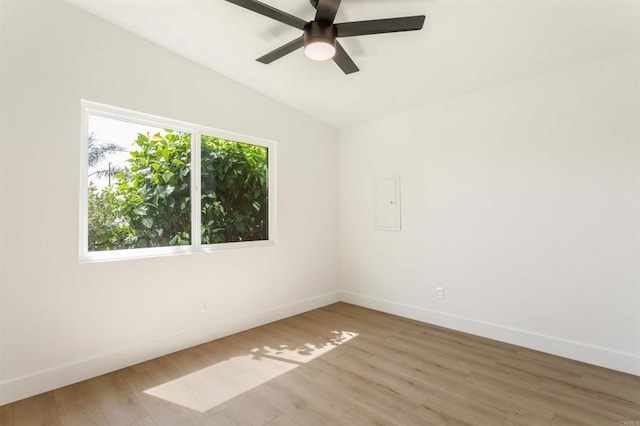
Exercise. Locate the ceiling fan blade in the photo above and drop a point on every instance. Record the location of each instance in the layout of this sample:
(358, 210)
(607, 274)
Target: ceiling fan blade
(271, 12)
(378, 26)
(344, 61)
(282, 51)
(327, 10)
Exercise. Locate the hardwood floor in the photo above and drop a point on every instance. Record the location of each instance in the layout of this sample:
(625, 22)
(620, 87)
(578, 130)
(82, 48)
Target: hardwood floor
(343, 365)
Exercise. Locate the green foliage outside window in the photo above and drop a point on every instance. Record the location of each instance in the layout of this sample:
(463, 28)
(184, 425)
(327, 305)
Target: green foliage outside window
(234, 191)
(149, 204)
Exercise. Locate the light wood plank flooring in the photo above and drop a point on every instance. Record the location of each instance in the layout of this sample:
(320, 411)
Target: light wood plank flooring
(343, 365)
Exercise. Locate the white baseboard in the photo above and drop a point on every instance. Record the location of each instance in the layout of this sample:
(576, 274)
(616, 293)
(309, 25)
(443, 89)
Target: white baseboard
(620, 361)
(63, 375)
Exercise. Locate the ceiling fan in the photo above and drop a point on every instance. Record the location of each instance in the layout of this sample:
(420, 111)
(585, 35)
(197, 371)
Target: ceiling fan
(319, 36)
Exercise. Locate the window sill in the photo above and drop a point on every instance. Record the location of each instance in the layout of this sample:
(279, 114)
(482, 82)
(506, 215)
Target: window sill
(132, 254)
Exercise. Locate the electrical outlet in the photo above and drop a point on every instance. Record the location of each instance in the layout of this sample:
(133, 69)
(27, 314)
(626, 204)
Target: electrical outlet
(203, 305)
(440, 292)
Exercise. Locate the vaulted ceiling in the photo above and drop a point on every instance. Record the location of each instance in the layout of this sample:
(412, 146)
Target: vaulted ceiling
(464, 46)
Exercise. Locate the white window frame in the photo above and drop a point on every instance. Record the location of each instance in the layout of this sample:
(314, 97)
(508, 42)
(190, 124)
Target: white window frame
(89, 108)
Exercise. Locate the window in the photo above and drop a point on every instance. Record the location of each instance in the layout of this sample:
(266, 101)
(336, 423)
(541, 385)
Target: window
(154, 186)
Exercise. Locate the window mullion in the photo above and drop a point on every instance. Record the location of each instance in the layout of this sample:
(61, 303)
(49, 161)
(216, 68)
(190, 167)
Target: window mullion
(195, 190)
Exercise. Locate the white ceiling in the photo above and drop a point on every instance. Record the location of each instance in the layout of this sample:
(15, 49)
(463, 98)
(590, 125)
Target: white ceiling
(464, 46)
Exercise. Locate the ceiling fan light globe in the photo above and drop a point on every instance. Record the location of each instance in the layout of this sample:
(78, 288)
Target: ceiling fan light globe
(319, 51)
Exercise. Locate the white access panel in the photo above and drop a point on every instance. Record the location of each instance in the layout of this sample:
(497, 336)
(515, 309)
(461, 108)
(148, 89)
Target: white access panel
(387, 203)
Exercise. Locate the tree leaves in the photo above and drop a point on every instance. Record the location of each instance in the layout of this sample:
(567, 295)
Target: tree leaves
(147, 192)
(152, 194)
(234, 191)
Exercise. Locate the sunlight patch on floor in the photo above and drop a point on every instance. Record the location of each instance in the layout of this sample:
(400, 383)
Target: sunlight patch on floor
(209, 387)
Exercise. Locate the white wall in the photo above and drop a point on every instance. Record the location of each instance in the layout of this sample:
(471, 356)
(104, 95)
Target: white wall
(522, 201)
(62, 321)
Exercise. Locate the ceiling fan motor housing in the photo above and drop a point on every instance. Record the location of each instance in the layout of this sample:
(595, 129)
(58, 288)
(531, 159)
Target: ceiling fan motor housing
(319, 31)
